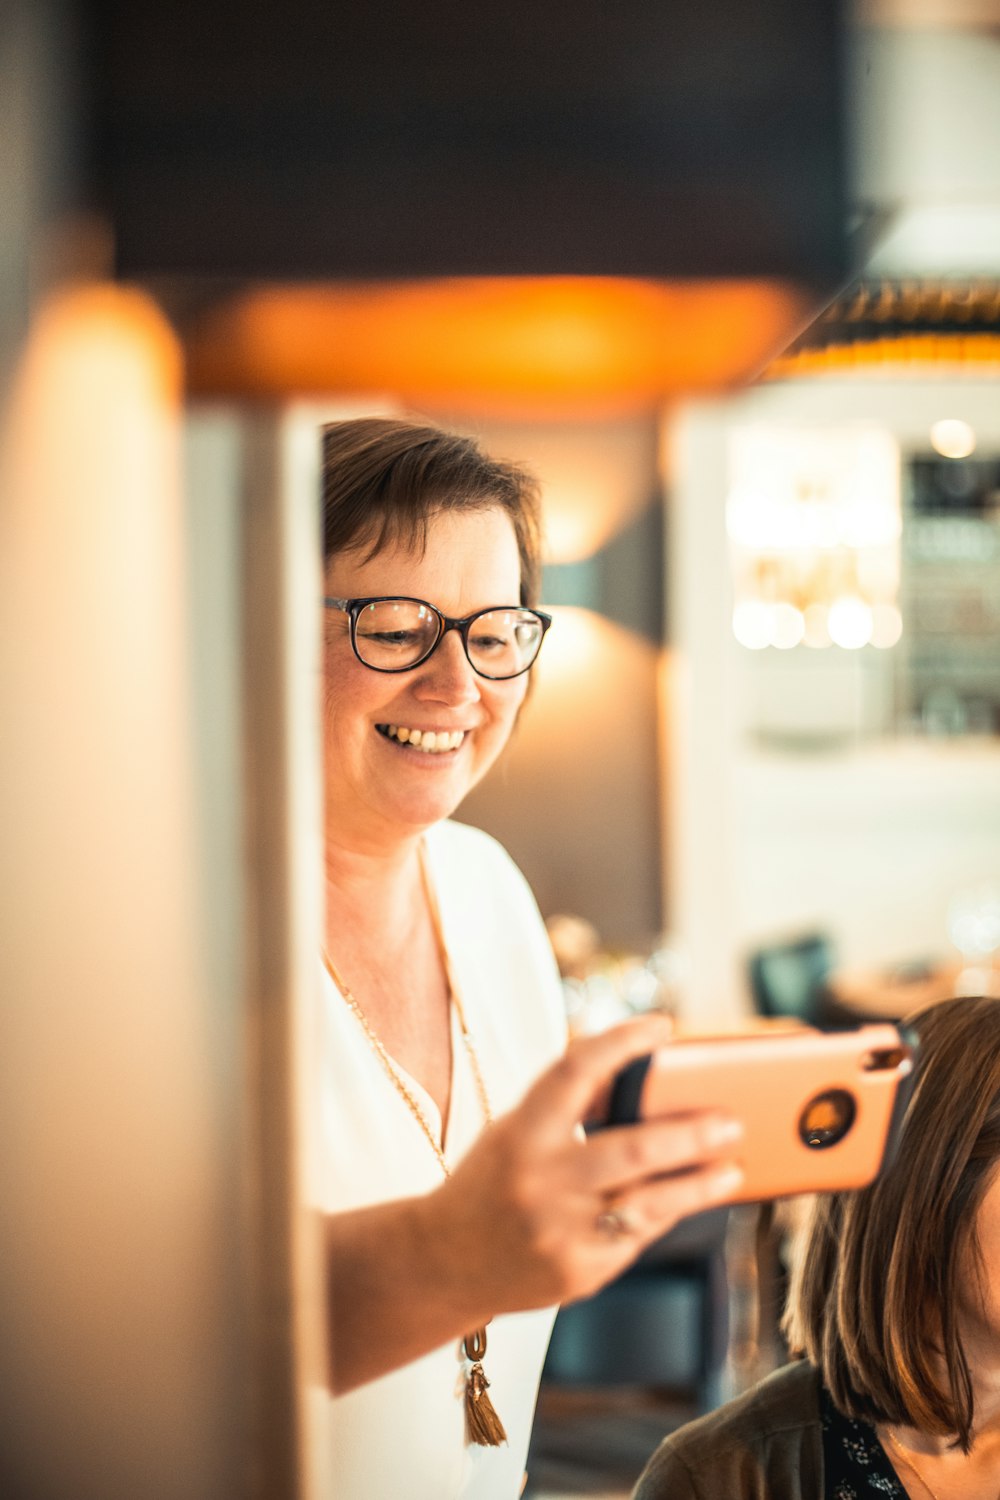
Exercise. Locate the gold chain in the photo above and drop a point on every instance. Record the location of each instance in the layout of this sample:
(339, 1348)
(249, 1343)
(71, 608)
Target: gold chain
(908, 1461)
(377, 1046)
(483, 1425)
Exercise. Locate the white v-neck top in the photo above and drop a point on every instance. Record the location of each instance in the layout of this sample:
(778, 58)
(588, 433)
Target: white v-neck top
(403, 1437)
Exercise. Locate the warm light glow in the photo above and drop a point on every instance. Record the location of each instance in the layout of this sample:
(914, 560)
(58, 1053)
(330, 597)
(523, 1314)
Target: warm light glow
(581, 649)
(803, 488)
(111, 983)
(530, 347)
(953, 438)
(789, 627)
(850, 622)
(933, 356)
(572, 648)
(887, 625)
(813, 516)
(817, 626)
(753, 623)
(595, 477)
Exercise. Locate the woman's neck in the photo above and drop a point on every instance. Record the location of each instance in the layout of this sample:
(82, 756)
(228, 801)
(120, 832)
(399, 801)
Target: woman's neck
(986, 1423)
(370, 882)
(382, 937)
(986, 1390)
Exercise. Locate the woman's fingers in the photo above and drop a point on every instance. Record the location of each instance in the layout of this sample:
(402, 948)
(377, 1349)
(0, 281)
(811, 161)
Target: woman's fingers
(621, 1156)
(615, 1159)
(554, 1199)
(654, 1209)
(657, 1174)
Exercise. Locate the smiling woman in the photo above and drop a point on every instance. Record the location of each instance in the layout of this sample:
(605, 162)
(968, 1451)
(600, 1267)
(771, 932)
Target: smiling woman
(381, 720)
(460, 1199)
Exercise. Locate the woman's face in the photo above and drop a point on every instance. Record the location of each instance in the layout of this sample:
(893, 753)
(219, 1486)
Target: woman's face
(979, 1300)
(379, 788)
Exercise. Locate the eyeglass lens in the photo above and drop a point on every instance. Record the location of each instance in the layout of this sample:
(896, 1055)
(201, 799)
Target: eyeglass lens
(393, 634)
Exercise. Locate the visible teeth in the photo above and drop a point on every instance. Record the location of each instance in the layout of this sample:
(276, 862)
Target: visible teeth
(430, 741)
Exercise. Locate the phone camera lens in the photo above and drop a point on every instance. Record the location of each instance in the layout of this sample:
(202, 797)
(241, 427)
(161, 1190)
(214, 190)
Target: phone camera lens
(827, 1118)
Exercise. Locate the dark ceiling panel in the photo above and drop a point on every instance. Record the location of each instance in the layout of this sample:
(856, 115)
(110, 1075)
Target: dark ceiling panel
(437, 138)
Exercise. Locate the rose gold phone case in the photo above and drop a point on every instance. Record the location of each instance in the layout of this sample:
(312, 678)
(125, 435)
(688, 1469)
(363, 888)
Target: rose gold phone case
(844, 1092)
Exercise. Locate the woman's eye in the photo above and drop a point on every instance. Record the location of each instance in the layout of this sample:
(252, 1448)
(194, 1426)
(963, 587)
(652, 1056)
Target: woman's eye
(393, 637)
(490, 642)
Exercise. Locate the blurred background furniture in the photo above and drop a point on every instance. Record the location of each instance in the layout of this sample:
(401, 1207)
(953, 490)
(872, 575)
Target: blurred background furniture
(800, 980)
(788, 979)
(663, 1324)
(890, 994)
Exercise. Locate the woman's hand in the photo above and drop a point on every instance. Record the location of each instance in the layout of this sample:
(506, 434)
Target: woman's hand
(518, 1224)
(522, 1213)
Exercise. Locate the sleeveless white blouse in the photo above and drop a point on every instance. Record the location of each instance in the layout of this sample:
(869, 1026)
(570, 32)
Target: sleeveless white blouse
(404, 1435)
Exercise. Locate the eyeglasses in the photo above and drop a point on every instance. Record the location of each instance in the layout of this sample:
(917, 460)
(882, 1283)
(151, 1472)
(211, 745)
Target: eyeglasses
(390, 634)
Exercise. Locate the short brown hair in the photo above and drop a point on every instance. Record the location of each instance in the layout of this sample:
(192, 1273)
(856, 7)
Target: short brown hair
(874, 1295)
(383, 478)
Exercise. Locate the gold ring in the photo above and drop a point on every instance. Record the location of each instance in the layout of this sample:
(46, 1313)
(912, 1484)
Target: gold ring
(615, 1223)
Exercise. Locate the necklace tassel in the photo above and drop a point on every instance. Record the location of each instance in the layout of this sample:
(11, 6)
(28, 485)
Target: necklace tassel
(483, 1426)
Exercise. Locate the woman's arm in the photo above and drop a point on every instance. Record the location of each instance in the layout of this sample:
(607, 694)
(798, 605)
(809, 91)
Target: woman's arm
(392, 1294)
(514, 1227)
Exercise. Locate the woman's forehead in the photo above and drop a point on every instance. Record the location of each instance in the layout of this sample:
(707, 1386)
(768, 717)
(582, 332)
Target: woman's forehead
(466, 550)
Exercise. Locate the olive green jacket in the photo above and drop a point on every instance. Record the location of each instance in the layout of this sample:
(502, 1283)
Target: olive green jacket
(765, 1445)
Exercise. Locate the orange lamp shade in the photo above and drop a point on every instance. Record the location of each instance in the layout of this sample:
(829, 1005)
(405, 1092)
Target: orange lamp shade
(548, 346)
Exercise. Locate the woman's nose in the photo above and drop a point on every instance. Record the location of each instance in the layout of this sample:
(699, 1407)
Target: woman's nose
(448, 675)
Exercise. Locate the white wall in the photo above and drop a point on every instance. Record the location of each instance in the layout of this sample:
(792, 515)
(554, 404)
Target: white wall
(869, 841)
(869, 845)
(924, 122)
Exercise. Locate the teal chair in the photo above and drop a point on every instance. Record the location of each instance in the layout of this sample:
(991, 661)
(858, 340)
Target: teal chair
(789, 979)
(664, 1323)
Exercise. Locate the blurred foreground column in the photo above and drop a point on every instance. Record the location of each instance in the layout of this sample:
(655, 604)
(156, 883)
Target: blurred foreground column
(122, 1354)
(701, 718)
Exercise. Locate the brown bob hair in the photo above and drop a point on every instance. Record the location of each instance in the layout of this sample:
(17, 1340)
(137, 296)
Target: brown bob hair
(383, 478)
(875, 1293)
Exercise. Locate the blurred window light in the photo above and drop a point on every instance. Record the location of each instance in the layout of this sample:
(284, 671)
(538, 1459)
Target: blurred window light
(953, 438)
(887, 625)
(850, 622)
(753, 623)
(817, 626)
(814, 523)
(789, 627)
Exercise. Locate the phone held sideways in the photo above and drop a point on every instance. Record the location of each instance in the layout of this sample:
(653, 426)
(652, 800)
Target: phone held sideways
(820, 1110)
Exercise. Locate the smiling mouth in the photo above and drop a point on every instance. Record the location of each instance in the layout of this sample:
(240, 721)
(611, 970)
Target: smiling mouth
(429, 741)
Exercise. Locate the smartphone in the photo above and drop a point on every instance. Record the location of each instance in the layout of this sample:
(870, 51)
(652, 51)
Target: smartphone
(820, 1110)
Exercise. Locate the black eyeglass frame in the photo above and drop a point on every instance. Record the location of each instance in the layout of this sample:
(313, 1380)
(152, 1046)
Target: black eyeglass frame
(353, 607)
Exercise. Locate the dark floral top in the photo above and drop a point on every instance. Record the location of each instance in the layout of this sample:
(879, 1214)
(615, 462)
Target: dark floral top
(855, 1466)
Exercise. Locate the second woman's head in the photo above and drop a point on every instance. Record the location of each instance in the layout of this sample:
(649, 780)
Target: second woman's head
(431, 566)
(897, 1294)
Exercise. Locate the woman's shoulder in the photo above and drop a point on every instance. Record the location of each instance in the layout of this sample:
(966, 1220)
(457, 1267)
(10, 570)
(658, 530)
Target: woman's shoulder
(461, 848)
(766, 1442)
(498, 940)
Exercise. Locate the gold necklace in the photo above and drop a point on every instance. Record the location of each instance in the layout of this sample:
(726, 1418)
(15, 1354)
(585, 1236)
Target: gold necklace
(908, 1460)
(483, 1425)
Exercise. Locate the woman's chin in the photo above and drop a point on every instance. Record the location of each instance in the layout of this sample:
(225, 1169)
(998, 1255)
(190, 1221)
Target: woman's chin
(423, 806)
